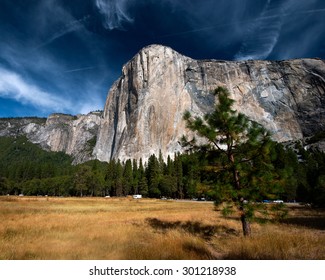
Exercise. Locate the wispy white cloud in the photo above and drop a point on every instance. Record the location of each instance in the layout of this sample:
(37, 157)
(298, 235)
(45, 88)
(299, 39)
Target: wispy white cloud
(79, 69)
(115, 13)
(71, 26)
(14, 86)
(69, 90)
(262, 33)
(309, 42)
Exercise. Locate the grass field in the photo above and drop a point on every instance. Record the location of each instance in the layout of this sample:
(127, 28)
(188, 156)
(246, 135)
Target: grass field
(111, 228)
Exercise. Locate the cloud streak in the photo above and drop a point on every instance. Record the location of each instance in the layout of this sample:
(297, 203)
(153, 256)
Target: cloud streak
(262, 34)
(68, 28)
(115, 13)
(79, 69)
(14, 86)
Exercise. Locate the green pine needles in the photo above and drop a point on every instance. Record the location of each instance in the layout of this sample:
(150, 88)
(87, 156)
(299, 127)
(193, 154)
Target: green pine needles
(239, 153)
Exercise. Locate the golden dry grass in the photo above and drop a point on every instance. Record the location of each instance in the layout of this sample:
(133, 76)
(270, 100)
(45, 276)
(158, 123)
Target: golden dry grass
(101, 228)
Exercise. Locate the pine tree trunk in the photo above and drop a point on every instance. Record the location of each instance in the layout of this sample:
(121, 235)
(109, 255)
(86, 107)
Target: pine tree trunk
(246, 225)
(235, 172)
(245, 222)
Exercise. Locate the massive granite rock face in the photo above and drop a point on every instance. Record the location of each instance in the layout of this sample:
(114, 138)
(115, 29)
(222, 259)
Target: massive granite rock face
(74, 135)
(144, 108)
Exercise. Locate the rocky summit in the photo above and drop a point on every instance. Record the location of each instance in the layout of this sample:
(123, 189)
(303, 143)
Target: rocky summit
(144, 108)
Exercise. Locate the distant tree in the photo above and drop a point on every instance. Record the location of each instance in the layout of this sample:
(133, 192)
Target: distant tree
(311, 184)
(58, 186)
(142, 179)
(161, 163)
(4, 185)
(169, 184)
(178, 167)
(96, 183)
(239, 151)
(286, 166)
(118, 178)
(169, 168)
(127, 177)
(82, 179)
(135, 179)
(192, 173)
(154, 176)
(109, 178)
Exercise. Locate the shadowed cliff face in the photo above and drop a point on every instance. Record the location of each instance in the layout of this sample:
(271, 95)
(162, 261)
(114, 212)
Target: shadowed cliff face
(144, 108)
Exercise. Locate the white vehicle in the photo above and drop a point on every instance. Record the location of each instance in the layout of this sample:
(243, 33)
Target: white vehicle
(278, 201)
(137, 196)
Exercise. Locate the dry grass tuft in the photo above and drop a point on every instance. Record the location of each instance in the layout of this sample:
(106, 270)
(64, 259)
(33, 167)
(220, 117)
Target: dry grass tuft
(276, 244)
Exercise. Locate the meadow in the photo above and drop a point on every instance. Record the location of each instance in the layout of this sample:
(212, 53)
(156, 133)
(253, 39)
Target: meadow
(46, 228)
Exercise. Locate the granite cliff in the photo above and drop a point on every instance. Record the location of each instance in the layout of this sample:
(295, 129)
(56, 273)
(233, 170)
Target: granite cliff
(74, 135)
(144, 108)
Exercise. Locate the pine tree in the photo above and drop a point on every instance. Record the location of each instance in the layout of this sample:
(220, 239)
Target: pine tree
(153, 174)
(127, 177)
(192, 170)
(169, 166)
(169, 182)
(161, 163)
(109, 178)
(179, 176)
(143, 183)
(239, 150)
(82, 179)
(287, 167)
(114, 178)
(118, 178)
(4, 185)
(135, 179)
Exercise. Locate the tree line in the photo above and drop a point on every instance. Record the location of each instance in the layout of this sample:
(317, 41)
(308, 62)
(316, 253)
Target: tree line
(27, 169)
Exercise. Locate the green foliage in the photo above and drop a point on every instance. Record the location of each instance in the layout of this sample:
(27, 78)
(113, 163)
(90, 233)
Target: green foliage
(128, 183)
(142, 187)
(238, 151)
(154, 176)
(227, 210)
(91, 143)
(279, 211)
(320, 136)
(22, 161)
(241, 158)
(310, 177)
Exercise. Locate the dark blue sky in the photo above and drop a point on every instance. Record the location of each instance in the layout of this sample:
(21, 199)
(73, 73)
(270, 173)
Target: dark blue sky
(63, 55)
